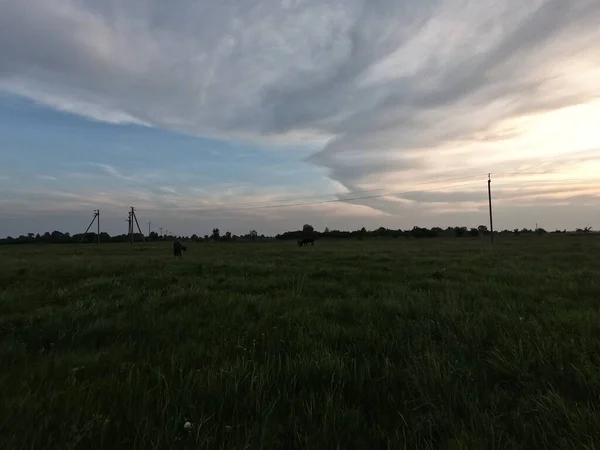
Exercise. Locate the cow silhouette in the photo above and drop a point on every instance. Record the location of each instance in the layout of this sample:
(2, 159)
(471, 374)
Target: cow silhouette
(305, 242)
(177, 248)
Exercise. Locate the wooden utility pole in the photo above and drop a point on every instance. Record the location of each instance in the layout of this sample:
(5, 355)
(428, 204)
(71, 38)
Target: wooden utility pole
(149, 229)
(490, 202)
(160, 231)
(129, 228)
(132, 219)
(96, 217)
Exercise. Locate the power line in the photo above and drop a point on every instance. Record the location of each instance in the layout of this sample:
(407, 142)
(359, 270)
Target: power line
(347, 196)
(266, 205)
(270, 203)
(289, 199)
(287, 205)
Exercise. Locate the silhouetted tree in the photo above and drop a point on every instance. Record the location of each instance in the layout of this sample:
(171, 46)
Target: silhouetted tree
(308, 228)
(216, 234)
(460, 231)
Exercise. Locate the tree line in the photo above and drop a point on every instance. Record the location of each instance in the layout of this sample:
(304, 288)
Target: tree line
(307, 231)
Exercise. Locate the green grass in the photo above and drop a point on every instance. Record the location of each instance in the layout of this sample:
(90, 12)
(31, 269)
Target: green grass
(341, 345)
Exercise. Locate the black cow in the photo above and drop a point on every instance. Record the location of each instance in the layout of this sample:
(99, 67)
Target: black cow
(305, 242)
(178, 247)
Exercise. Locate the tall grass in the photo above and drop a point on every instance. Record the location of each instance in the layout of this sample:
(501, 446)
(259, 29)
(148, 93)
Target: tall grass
(341, 345)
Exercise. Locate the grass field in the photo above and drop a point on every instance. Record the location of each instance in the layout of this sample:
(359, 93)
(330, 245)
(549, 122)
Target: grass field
(341, 345)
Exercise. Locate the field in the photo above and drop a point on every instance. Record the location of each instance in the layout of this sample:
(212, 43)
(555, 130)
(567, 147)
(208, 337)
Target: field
(342, 345)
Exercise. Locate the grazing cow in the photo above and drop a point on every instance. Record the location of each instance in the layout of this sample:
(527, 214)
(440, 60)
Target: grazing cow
(305, 242)
(178, 247)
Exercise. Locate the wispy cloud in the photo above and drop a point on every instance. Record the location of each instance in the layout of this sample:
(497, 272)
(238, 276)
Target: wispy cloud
(46, 177)
(111, 171)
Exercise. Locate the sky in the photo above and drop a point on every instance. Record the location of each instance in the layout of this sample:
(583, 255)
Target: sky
(271, 114)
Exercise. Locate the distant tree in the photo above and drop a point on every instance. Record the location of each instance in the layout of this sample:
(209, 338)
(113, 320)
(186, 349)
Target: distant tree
(308, 228)
(216, 234)
(540, 231)
(418, 232)
(474, 232)
(326, 230)
(206, 237)
(460, 231)
(381, 231)
(482, 229)
(362, 233)
(253, 234)
(228, 235)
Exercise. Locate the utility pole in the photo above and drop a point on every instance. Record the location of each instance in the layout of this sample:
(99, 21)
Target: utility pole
(160, 231)
(149, 229)
(129, 228)
(490, 202)
(96, 217)
(133, 218)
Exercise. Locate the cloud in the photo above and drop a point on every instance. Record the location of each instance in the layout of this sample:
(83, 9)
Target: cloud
(111, 171)
(503, 195)
(392, 93)
(46, 177)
